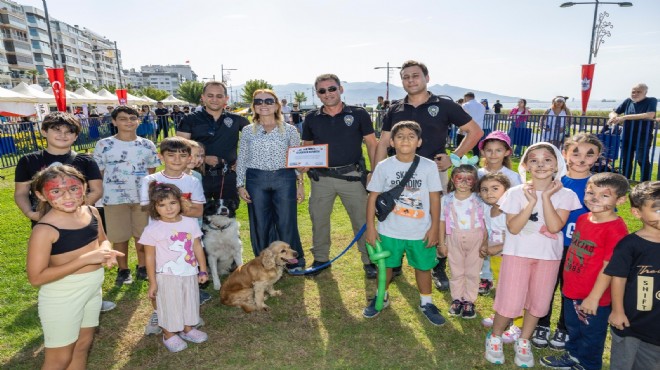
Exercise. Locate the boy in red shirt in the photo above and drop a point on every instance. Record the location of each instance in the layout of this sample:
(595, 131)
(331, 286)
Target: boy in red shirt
(586, 287)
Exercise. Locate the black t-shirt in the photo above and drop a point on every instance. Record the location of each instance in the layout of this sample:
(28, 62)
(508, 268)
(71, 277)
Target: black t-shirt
(497, 107)
(220, 138)
(343, 133)
(434, 117)
(30, 164)
(161, 113)
(296, 116)
(638, 260)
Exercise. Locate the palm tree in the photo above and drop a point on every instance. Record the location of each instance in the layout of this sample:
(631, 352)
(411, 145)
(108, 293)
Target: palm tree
(299, 97)
(33, 73)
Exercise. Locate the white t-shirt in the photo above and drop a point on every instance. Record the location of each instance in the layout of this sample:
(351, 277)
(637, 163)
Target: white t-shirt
(190, 187)
(476, 110)
(534, 241)
(513, 176)
(496, 226)
(411, 217)
(286, 110)
(174, 243)
(463, 211)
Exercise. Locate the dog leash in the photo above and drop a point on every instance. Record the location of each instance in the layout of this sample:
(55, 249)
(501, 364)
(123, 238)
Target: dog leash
(321, 267)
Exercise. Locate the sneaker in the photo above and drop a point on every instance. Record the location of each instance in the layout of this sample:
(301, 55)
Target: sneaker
(203, 297)
(494, 350)
(565, 361)
(511, 334)
(194, 336)
(294, 270)
(370, 270)
(524, 356)
(152, 327)
(468, 311)
(174, 344)
(488, 321)
(200, 323)
(396, 271)
(371, 311)
(432, 314)
(577, 367)
(540, 336)
(559, 339)
(141, 272)
(456, 308)
(440, 279)
(123, 277)
(107, 306)
(316, 264)
(485, 286)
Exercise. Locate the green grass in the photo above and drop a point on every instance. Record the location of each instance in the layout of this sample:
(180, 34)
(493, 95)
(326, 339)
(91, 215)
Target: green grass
(316, 323)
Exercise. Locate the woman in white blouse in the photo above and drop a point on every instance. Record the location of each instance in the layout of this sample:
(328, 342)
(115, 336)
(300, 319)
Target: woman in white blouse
(271, 190)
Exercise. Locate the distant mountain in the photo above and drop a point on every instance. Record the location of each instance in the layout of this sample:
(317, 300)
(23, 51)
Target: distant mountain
(368, 92)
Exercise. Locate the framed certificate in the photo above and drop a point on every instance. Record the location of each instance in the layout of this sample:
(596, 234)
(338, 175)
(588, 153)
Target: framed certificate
(307, 156)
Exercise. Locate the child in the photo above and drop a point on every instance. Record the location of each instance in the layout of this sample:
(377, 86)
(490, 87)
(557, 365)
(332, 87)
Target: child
(65, 253)
(173, 252)
(580, 152)
(175, 154)
(412, 227)
(586, 288)
(496, 152)
(124, 160)
(196, 165)
(462, 234)
(535, 212)
(634, 268)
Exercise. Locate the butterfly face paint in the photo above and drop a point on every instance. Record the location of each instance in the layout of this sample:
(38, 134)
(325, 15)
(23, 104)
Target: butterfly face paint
(64, 190)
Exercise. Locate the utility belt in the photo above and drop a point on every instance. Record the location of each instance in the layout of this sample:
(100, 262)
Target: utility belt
(341, 171)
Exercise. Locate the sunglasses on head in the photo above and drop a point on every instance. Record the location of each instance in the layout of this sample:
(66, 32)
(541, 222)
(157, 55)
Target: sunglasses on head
(268, 101)
(329, 89)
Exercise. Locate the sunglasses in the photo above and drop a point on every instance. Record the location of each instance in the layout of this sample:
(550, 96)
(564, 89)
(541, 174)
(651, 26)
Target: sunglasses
(268, 101)
(329, 89)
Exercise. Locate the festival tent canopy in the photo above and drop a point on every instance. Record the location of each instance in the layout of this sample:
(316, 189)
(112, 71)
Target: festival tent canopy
(148, 99)
(132, 99)
(10, 96)
(171, 100)
(71, 97)
(97, 99)
(39, 96)
(16, 104)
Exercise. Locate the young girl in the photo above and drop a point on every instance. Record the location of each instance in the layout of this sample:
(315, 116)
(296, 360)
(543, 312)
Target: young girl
(496, 152)
(535, 212)
(462, 233)
(174, 252)
(580, 152)
(65, 253)
(196, 165)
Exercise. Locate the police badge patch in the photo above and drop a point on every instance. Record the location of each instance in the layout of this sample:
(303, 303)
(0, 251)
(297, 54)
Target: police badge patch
(228, 122)
(433, 110)
(348, 120)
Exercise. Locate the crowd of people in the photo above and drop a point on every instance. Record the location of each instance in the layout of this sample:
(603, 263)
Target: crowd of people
(550, 223)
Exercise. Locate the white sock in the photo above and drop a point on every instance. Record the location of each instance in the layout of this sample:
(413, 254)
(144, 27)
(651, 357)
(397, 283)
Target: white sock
(425, 299)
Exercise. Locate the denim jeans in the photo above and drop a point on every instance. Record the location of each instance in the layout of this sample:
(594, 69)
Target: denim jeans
(273, 212)
(586, 342)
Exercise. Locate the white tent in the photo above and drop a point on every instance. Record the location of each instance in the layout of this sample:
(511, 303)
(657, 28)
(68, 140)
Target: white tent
(10, 96)
(71, 97)
(16, 104)
(171, 100)
(148, 99)
(132, 99)
(39, 96)
(96, 99)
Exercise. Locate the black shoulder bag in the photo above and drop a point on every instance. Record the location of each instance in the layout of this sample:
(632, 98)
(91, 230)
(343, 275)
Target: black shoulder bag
(386, 201)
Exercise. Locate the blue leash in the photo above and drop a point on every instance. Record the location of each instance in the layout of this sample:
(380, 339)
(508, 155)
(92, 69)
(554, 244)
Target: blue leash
(357, 237)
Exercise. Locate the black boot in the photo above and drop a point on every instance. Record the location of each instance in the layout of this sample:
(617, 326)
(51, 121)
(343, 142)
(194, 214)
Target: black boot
(439, 275)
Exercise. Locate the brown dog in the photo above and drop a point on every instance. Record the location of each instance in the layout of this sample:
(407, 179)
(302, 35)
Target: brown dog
(247, 286)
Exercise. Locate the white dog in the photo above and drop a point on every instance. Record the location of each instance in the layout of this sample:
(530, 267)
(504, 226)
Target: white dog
(221, 239)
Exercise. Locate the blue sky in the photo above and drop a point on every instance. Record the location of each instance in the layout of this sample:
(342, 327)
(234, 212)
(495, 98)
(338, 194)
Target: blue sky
(526, 48)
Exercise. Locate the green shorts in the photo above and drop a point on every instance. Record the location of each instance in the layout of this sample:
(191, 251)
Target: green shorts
(418, 256)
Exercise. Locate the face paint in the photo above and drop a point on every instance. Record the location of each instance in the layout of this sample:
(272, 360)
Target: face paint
(467, 179)
(599, 199)
(56, 188)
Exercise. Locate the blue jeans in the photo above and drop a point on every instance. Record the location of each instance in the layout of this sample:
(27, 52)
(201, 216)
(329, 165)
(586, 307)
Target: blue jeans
(586, 342)
(273, 212)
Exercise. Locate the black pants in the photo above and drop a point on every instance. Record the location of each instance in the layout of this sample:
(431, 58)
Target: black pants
(459, 139)
(545, 320)
(636, 143)
(219, 186)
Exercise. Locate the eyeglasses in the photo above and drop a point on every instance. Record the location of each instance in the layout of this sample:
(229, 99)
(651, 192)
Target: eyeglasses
(329, 89)
(268, 101)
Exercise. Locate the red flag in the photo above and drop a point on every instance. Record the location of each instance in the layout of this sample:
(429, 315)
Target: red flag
(56, 77)
(587, 82)
(122, 95)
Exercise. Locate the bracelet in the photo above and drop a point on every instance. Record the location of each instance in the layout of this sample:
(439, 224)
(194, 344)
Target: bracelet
(202, 273)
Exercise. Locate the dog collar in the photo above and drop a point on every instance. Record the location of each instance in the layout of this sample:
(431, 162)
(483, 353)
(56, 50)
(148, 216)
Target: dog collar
(221, 228)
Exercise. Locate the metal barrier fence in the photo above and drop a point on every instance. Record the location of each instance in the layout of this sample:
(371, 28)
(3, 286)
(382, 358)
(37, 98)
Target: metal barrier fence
(629, 149)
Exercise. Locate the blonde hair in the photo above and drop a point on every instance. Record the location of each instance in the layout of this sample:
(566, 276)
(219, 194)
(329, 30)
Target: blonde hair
(278, 112)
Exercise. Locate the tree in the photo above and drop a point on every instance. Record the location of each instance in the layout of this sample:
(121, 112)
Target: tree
(154, 93)
(33, 73)
(190, 91)
(111, 88)
(90, 87)
(71, 84)
(251, 86)
(299, 97)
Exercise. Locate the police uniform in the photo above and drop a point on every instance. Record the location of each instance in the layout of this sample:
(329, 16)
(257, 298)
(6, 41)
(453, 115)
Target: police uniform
(344, 134)
(220, 139)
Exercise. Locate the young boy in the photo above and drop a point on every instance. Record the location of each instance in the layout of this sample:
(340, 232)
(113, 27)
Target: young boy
(124, 160)
(175, 153)
(412, 227)
(635, 272)
(586, 287)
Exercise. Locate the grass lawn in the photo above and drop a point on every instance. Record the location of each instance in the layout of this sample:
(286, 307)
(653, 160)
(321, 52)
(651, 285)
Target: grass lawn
(316, 323)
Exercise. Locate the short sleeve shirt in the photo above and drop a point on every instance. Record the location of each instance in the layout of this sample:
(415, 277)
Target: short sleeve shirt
(343, 133)
(645, 105)
(124, 164)
(434, 117)
(464, 209)
(220, 138)
(411, 217)
(579, 187)
(513, 176)
(174, 243)
(534, 240)
(190, 187)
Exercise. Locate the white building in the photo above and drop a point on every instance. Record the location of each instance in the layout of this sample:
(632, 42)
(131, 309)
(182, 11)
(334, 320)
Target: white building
(17, 47)
(38, 35)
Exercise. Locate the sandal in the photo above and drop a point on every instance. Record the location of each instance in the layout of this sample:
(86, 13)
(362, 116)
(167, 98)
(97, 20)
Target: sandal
(174, 344)
(194, 336)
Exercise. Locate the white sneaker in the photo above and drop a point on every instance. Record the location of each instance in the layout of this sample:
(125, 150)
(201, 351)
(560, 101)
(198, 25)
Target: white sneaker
(107, 306)
(494, 350)
(152, 327)
(511, 335)
(488, 321)
(524, 356)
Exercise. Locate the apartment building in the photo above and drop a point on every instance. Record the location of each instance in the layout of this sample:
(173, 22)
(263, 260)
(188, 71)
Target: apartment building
(38, 35)
(17, 48)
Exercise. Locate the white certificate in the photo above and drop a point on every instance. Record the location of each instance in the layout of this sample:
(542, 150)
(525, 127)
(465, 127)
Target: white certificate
(307, 156)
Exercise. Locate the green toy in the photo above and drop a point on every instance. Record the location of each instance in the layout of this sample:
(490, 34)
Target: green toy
(378, 256)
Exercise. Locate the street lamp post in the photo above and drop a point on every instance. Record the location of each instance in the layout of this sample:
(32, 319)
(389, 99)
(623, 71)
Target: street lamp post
(50, 35)
(387, 89)
(121, 82)
(313, 89)
(222, 72)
